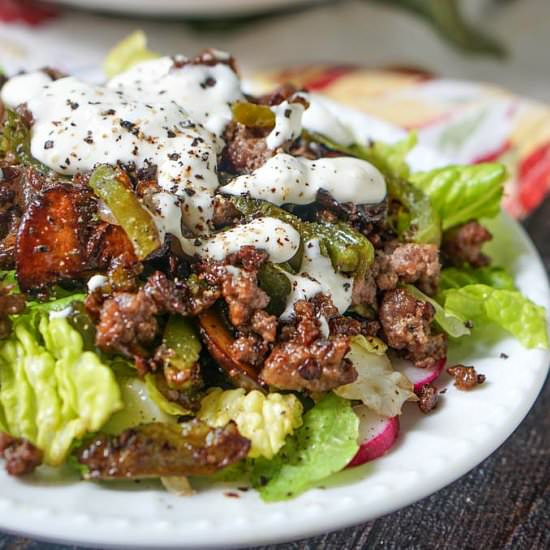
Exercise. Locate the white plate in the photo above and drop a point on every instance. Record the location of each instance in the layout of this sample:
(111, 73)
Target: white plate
(196, 8)
(433, 450)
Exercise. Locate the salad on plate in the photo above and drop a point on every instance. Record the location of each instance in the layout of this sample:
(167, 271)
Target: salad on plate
(201, 283)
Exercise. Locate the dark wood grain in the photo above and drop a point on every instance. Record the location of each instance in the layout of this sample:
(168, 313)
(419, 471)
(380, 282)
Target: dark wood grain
(503, 504)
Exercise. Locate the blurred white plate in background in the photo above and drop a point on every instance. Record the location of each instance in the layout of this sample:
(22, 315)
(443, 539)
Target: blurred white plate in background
(203, 8)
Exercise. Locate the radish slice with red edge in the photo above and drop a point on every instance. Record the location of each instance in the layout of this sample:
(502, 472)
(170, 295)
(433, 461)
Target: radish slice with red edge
(377, 434)
(419, 377)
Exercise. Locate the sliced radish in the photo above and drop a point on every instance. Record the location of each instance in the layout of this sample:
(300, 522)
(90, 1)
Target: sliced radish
(377, 434)
(419, 377)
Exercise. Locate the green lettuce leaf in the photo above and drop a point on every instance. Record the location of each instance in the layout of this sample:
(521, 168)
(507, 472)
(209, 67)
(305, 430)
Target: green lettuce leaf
(508, 309)
(451, 323)
(325, 444)
(496, 277)
(128, 52)
(463, 193)
(51, 391)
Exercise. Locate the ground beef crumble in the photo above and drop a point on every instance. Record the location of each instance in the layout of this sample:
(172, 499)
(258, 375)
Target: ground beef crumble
(406, 325)
(463, 244)
(305, 359)
(21, 456)
(466, 378)
(428, 398)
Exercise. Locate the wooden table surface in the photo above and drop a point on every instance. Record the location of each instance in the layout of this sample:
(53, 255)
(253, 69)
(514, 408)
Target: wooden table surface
(502, 504)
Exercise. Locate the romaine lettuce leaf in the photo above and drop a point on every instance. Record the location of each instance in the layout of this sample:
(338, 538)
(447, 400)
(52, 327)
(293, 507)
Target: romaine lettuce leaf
(51, 391)
(128, 52)
(463, 193)
(325, 444)
(266, 420)
(508, 309)
(451, 323)
(496, 277)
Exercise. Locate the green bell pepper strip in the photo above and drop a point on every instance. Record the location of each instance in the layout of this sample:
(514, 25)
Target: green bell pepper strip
(113, 187)
(348, 250)
(253, 115)
(15, 140)
(276, 284)
(181, 347)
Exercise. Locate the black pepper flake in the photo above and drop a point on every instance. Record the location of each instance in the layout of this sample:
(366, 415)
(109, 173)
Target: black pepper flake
(130, 126)
(208, 83)
(171, 134)
(287, 113)
(108, 112)
(48, 144)
(189, 191)
(504, 355)
(89, 139)
(73, 104)
(173, 156)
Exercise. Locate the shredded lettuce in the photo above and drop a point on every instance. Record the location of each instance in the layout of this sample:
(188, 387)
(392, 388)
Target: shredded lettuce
(51, 391)
(451, 323)
(325, 444)
(378, 386)
(506, 308)
(463, 193)
(128, 52)
(266, 420)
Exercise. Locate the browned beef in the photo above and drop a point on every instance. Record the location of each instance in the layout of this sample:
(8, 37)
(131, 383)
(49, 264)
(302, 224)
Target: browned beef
(10, 304)
(155, 450)
(466, 378)
(243, 296)
(225, 213)
(245, 150)
(127, 324)
(428, 397)
(463, 244)
(277, 96)
(21, 456)
(305, 360)
(408, 263)
(249, 349)
(406, 323)
(364, 290)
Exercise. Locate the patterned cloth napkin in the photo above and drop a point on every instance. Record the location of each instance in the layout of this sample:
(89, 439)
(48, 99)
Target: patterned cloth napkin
(465, 121)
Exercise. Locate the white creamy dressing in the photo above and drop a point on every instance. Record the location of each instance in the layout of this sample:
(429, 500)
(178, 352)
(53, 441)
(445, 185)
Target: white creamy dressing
(205, 91)
(288, 123)
(61, 313)
(23, 87)
(286, 179)
(280, 240)
(96, 282)
(317, 118)
(317, 275)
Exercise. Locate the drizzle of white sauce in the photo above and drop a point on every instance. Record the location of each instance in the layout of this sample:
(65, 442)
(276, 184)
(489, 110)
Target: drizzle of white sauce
(286, 179)
(95, 282)
(317, 118)
(323, 325)
(317, 276)
(23, 87)
(62, 313)
(288, 123)
(204, 91)
(280, 240)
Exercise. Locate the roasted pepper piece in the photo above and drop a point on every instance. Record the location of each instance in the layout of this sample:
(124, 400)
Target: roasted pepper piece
(275, 283)
(157, 449)
(15, 142)
(218, 339)
(253, 115)
(348, 250)
(113, 187)
(181, 347)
